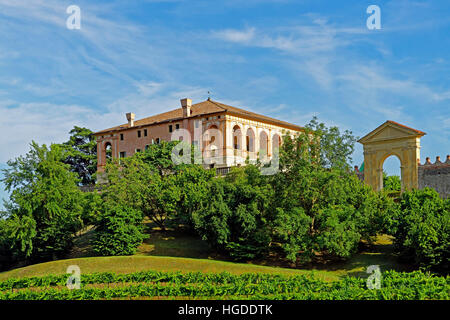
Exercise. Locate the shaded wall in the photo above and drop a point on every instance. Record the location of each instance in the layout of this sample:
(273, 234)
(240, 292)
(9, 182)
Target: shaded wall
(436, 175)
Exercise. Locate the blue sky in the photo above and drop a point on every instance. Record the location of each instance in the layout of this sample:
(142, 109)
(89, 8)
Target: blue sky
(286, 59)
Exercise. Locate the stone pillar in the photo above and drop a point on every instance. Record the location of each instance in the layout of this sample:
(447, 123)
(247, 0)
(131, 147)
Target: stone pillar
(100, 156)
(256, 144)
(269, 144)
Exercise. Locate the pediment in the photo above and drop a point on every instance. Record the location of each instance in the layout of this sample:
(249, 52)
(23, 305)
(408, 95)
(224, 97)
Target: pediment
(390, 130)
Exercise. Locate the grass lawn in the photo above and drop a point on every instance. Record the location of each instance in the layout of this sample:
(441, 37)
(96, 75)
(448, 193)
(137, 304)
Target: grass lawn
(128, 264)
(176, 251)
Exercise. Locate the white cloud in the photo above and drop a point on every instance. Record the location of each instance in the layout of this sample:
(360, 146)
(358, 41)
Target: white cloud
(240, 36)
(370, 78)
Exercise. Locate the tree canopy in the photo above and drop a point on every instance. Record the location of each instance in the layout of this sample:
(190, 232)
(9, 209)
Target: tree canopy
(81, 154)
(44, 210)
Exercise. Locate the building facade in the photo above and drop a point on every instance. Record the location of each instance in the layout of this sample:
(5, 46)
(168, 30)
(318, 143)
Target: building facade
(225, 135)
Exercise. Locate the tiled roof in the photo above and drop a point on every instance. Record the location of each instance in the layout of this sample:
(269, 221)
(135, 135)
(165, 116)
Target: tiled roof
(411, 131)
(202, 108)
(402, 125)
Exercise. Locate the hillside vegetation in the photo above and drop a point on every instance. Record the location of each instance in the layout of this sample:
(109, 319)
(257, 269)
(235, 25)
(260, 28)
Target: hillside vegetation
(201, 285)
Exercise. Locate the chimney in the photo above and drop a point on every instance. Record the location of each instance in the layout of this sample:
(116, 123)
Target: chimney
(130, 118)
(186, 104)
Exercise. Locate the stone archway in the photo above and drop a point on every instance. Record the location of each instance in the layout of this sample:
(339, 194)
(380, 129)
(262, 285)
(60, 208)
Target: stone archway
(392, 138)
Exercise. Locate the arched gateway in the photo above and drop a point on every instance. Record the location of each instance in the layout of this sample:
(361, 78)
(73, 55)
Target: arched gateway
(392, 138)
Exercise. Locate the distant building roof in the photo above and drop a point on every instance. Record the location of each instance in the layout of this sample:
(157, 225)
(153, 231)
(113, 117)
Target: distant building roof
(203, 108)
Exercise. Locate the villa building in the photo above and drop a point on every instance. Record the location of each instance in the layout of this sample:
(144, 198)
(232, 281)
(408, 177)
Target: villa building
(226, 135)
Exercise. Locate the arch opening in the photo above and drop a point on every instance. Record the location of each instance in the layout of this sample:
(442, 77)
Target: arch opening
(276, 142)
(391, 179)
(263, 143)
(250, 140)
(237, 137)
(108, 151)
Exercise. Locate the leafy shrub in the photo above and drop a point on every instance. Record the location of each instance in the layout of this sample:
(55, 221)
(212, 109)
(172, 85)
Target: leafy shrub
(119, 231)
(421, 227)
(234, 217)
(394, 286)
(391, 183)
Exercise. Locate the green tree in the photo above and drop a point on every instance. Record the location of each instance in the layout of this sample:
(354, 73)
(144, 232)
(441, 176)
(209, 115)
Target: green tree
(319, 209)
(81, 154)
(145, 182)
(45, 203)
(192, 182)
(119, 231)
(336, 148)
(159, 157)
(211, 220)
(421, 227)
(233, 219)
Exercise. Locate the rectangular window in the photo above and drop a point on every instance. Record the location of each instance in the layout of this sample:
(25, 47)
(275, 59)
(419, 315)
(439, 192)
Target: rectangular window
(145, 132)
(177, 126)
(146, 147)
(196, 123)
(121, 136)
(170, 128)
(139, 133)
(157, 140)
(122, 154)
(138, 150)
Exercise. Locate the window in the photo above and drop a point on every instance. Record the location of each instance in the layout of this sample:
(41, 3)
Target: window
(138, 150)
(121, 136)
(157, 140)
(218, 117)
(196, 123)
(146, 147)
(139, 133)
(170, 128)
(177, 126)
(145, 132)
(122, 154)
